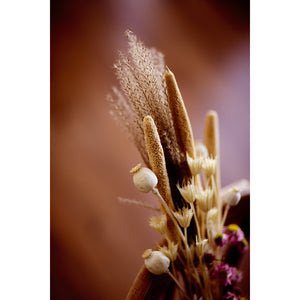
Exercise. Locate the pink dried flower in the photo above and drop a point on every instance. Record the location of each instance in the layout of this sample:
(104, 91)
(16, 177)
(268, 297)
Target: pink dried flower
(226, 275)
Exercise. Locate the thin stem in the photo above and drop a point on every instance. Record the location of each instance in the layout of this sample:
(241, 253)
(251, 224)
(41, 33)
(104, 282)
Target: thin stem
(185, 234)
(184, 238)
(196, 221)
(177, 282)
(227, 207)
(166, 207)
(139, 203)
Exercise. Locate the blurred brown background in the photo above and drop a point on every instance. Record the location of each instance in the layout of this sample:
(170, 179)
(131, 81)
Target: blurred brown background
(96, 242)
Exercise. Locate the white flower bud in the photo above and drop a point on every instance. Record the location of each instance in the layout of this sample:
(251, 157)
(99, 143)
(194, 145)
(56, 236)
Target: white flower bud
(195, 165)
(200, 246)
(188, 192)
(204, 199)
(144, 179)
(233, 196)
(184, 217)
(212, 215)
(201, 150)
(156, 262)
(212, 220)
(209, 166)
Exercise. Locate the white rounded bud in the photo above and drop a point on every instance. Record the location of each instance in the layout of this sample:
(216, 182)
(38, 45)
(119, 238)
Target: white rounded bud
(156, 262)
(201, 150)
(233, 196)
(144, 179)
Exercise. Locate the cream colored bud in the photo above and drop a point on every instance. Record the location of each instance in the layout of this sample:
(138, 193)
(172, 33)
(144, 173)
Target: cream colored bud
(156, 262)
(143, 178)
(212, 215)
(209, 166)
(188, 192)
(212, 222)
(200, 246)
(184, 217)
(204, 199)
(233, 196)
(212, 219)
(201, 150)
(195, 165)
(159, 223)
(171, 251)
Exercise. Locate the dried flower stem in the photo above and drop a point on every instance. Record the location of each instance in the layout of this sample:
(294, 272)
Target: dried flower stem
(196, 221)
(227, 207)
(138, 203)
(177, 282)
(170, 214)
(189, 257)
(212, 143)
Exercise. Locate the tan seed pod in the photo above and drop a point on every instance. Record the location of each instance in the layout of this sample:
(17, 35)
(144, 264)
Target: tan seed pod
(156, 262)
(144, 179)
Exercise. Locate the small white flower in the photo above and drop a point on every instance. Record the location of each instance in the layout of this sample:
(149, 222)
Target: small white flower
(209, 166)
(156, 262)
(184, 217)
(195, 165)
(159, 223)
(212, 215)
(171, 251)
(200, 246)
(144, 179)
(212, 220)
(188, 192)
(204, 199)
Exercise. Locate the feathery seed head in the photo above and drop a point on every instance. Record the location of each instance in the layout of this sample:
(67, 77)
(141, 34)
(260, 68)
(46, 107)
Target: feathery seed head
(184, 217)
(159, 223)
(156, 262)
(233, 196)
(144, 179)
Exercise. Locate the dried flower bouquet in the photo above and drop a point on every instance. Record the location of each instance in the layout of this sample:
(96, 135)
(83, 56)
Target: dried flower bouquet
(198, 255)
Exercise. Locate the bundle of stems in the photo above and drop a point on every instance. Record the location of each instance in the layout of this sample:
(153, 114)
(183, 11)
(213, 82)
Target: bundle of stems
(182, 173)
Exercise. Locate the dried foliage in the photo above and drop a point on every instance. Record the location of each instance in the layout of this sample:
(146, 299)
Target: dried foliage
(197, 248)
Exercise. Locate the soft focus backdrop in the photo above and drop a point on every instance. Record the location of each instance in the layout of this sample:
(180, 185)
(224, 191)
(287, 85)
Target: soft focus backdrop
(96, 242)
